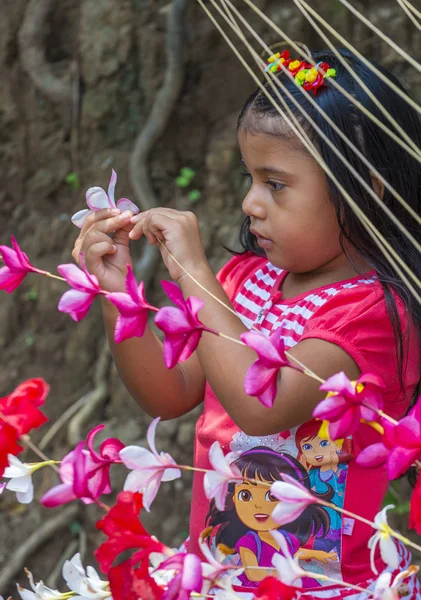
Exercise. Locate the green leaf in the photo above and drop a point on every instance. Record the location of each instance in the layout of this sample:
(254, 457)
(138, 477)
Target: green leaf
(403, 508)
(187, 173)
(32, 295)
(182, 182)
(72, 179)
(194, 195)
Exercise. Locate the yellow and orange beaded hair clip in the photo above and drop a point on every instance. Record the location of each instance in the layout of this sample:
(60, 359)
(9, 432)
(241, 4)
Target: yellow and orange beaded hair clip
(304, 74)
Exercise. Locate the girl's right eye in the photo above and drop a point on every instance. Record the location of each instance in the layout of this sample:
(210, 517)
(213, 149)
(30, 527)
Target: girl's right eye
(307, 447)
(244, 496)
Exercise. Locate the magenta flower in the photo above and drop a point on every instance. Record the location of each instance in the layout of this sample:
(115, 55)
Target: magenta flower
(349, 402)
(149, 469)
(294, 498)
(181, 326)
(261, 379)
(133, 309)
(85, 473)
(188, 576)
(16, 268)
(400, 446)
(78, 300)
(97, 199)
(216, 482)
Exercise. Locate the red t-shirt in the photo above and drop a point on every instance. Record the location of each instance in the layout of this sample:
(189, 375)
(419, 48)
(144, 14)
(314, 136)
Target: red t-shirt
(353, 315)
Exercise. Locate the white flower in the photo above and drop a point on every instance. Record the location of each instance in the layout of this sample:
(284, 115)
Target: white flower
(216, 482)
(289, 572)
(383, 537)
(385, 589)
(149, 468)
(20, 482)
(294, 498)
(40, 591)
(86, 584)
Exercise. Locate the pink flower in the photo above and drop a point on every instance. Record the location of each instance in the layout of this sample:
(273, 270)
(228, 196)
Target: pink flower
(85, 473)
(149, 469)
(181, 326)
(400, 446)
(188, 576)
(216, 482)
(97, 199)
(349, 403)
(294, 498)
(16, 268)
(133, 309)
(261, 379)
(78, 300)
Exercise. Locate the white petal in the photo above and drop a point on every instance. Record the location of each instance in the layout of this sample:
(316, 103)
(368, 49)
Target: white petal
(389, 552)
(13, 472)
(289, 493)
(151, 435)
(136, 481)
(381, 517)
(372, 544)
(97, 198)
(171, 474)
(28, 496)
(25, 594)
(151, 491)
(135, 457)
(20, 484)
(79, 218)
(72, 576)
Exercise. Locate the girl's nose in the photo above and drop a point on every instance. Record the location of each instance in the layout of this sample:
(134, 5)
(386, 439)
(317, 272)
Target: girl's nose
(253, 205)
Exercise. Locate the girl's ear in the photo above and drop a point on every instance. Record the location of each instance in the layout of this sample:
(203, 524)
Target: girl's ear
(378, 186)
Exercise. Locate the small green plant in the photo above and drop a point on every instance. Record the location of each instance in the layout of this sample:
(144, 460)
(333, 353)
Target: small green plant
(184, 179)
(32, 295)
(72, 179)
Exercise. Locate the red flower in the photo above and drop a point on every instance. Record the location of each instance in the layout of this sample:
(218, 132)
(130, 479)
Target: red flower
(19, 414)
(125, 532)
(273, 589)
(314, 85)
(415, 508)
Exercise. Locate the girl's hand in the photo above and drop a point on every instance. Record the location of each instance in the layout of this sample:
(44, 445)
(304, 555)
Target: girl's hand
(179, 231)
(105, 257)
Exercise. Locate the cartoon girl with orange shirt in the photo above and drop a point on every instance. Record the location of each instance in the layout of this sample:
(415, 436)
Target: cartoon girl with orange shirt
(246, 522)
(321, 458)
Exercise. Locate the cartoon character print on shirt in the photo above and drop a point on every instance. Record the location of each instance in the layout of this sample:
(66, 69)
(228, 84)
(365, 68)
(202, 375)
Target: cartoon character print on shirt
(323, 459)
(245, 524)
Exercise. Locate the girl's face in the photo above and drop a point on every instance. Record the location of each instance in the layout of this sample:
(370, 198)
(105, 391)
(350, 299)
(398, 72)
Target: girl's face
(288, 203)
(318, 451)
(254, 505)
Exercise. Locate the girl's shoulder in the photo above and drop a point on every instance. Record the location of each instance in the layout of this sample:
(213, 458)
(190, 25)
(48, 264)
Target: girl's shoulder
(238, 269)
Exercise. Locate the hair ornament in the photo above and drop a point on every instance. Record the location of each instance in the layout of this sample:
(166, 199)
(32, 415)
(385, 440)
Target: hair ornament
(304, 74)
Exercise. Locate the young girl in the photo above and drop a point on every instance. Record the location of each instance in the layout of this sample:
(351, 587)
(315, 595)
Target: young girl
(240, 525)
(309, 268)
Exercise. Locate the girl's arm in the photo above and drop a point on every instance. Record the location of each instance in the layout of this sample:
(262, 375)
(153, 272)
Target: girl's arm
(225, 363)
(159, 391)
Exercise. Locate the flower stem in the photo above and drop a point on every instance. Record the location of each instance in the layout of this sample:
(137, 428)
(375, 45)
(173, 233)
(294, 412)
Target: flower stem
(27, 440)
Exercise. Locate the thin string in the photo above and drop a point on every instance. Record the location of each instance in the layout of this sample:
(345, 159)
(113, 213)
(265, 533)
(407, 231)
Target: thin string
(409, 14)
(388, 186)
(299, 131)
(413, 9)
(415, 154)
(382, 35)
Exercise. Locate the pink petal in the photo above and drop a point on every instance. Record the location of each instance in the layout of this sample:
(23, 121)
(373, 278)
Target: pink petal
(79, 218)
(79, 472)
(22, 257)
(126, 204)
(131, 285)
(76, 304)
(111, 187)
(194, 305)
(399, 461)
(258, 377)
(192, 341)
(67, 468)
(110, 449)
(172, 320)
(11, 260)
(97, 199)
(219, 462)
(262, 345)
(330, 408)
(373, 456)
(78, 279)
(174, 293)
(90, 441)
(338, 383)
(192, 578)
(58, 495)
(268, 396)
(408, 432)
(173, 347)
(129, 327)
(372, 379)
(10, 281)
(125, 304)
(347, 425)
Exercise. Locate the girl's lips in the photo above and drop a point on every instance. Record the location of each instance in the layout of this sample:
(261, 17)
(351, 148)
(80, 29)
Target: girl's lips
(319, 458)
(263, 242)
(261, 518)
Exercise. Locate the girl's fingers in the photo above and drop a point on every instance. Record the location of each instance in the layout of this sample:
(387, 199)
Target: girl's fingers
(112, 224)
(98, 250)
(98, 215)
(152, 224)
